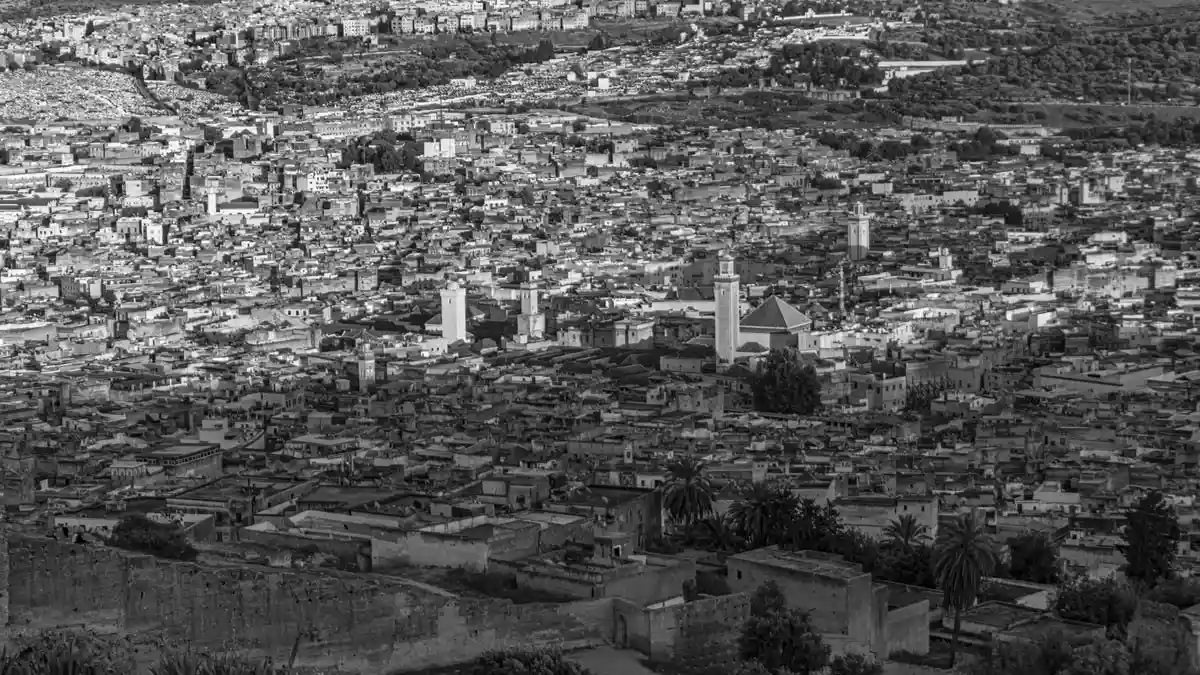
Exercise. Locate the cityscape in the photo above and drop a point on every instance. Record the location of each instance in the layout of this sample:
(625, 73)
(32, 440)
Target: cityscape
(600, 337)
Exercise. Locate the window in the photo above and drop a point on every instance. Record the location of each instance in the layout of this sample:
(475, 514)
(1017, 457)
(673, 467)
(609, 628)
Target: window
(739, 574)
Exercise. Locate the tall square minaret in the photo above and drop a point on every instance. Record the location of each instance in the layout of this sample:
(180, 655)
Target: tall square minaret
(858, 234)
(729, 318)
(454, 312)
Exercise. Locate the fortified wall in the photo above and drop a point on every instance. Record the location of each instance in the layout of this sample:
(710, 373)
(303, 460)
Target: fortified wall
(359, 624)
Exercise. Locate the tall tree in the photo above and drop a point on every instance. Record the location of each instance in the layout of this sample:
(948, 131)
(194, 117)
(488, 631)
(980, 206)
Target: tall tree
(906, 531)
(814, 525)
(764, 516)
(783, 639)
(964, 556)
(714, 533)
(687, 494)
(785, 383)
(1106, 602)
(1151, 536)
(1033, 558)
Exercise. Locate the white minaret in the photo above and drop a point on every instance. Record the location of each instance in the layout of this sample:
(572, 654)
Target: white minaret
(945, 260)
(858, 233)
(729, 316)
(454, 312)
(531, 324)
(366, 369)
(212, 185)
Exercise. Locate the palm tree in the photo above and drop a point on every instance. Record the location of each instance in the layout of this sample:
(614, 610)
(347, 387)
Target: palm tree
(714, 533)
(814, 525)
(764, 516)
(687, 494)
(964, 555)
(906, 531)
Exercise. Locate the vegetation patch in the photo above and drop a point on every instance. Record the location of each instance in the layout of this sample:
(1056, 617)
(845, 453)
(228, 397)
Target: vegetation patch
(138, 533)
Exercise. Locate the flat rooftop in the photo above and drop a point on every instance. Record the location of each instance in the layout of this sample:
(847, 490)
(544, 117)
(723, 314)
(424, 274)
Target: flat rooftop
(603, 496)
(1049, 625)
(230, 487)
(802, 561)
(177, 451)
(999, 615)
(341, 494)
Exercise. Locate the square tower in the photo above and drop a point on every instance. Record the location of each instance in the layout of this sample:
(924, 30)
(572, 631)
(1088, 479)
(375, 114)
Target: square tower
(728, 320)
(531, 324)
(858, 234)
(366, 370)
(454, 312)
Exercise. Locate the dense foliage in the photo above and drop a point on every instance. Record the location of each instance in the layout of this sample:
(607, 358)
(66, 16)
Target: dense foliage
(781, 639)
(1033, 558)
(138, 533)
(1151, 535)
(525, 662)
(1104, 602)
(688, 494)
(1155, 644)
(387, 151)
(785, 383)
(854, 664)
(828, 65)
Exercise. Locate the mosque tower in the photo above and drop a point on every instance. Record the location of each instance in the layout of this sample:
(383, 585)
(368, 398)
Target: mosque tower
(858, 234)
(728, 297)
(454, 312)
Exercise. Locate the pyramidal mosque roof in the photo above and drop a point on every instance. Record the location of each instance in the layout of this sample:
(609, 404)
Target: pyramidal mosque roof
(775, 314)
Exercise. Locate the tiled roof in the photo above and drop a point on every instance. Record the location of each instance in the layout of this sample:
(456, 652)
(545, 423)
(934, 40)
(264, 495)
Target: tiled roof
(775, 314)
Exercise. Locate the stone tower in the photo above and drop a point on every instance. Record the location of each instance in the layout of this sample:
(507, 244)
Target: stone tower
(454, 312)
(858, 234)
(728, 297)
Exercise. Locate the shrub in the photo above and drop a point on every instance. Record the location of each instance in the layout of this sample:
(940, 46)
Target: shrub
(1107, 603)
(189, 662)
(138, 533)
(854, 664)
(65, 651)
(526, 662)
(784, 639)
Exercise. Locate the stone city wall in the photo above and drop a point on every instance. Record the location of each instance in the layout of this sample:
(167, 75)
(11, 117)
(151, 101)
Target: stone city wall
(346, 622)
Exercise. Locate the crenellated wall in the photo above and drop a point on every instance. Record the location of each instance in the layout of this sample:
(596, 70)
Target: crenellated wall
(351, 623)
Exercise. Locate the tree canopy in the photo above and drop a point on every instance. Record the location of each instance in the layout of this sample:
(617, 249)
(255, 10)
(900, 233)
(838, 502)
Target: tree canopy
(136, 532)
(1151, 536)
(1033, 558)
(526, 662)
(964, 556)
(687, 494)
(780, 638)
(785, 383)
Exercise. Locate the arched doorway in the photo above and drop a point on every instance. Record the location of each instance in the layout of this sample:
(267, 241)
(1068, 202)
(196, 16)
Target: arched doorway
(622, 633)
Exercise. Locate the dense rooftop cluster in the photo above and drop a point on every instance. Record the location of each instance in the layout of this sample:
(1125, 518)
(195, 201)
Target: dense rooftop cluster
(367, 290)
